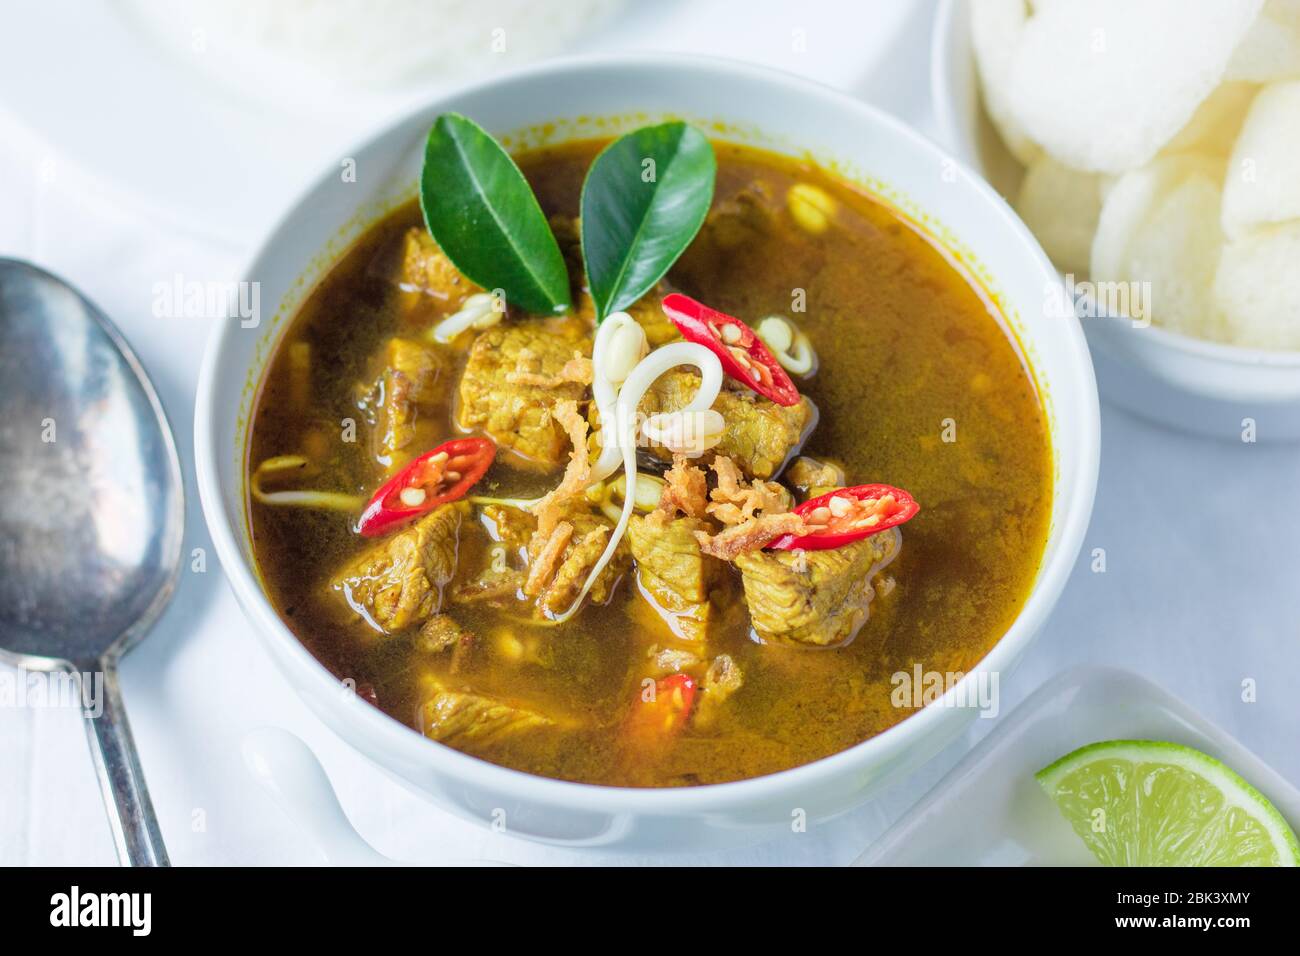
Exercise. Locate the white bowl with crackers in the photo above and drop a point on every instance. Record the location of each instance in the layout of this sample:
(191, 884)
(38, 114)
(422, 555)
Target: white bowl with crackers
(1151, 148)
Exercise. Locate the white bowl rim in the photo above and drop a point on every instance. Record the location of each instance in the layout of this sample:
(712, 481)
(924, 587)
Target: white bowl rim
(1225, 352)
(412, 747)
(941, 102)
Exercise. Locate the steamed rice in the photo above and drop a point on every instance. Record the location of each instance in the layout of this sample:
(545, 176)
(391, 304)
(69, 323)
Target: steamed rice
(367, 43)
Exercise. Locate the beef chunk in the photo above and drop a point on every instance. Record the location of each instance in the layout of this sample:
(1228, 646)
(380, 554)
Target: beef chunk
(672, 660)
(490, 586)
(583, 533)
(814, 597)
(492, 571)
(590, 535)
(649, 314)
(510, 526)
(516, 414)
(414, 377)
(439, 633)
(759, 435)
(811, 477)
(421, 364)
(668, 556)
(495, 575)
(671, 569)
(459, 719)
(723, 678)
(720, 681)
(426, 271)
(647, 311)
(399, 581)
(580, 540)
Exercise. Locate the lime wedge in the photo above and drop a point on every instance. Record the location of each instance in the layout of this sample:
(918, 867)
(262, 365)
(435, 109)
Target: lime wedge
(1148, 803)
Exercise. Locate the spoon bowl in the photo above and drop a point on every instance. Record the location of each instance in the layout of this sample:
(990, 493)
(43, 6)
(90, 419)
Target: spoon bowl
(92, 518)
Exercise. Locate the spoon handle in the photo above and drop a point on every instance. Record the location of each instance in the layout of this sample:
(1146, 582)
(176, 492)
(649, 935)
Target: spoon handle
(290, 772)
(135, 828)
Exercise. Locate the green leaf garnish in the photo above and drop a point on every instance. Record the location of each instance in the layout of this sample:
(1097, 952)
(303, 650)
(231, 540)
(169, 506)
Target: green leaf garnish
(482, 213)
(644, 199)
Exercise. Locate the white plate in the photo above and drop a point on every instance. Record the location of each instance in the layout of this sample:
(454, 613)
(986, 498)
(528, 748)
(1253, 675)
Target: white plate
(989, 810)
(204, 154)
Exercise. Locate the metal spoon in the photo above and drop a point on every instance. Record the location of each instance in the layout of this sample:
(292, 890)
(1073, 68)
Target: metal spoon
(91, 518)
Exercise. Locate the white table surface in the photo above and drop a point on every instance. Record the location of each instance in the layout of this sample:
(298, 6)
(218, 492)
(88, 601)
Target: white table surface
(1200, 592)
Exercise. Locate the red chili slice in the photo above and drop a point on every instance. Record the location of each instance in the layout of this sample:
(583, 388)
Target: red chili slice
(658, 721)
(868, 510)
(743, 355)
(467, 459)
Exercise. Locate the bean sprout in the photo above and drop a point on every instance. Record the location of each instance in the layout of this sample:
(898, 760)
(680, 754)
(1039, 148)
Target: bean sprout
(790, 346)
(618, 333)
(523, 504)
(649, 489)
(480, 311)
(685, 433)
(282, 464)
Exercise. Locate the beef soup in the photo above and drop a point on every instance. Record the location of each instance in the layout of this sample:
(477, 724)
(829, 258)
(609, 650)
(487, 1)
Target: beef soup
(732, 631)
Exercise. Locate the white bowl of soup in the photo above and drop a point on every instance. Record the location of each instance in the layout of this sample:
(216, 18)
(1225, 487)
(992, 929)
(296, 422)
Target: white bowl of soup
(937, 369)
